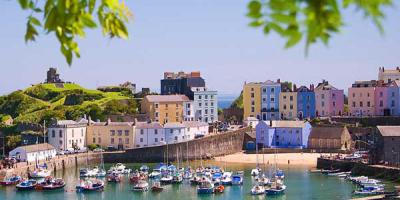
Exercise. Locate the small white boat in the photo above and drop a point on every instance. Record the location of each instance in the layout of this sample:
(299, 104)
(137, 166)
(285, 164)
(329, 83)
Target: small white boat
(255, 172)
(141, 186)
(257, 190)
(226, 178)
(40, 173)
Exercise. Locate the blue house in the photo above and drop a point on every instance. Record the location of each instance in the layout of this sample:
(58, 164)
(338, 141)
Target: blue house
(306, 102)
(270, 100)
(283, 134)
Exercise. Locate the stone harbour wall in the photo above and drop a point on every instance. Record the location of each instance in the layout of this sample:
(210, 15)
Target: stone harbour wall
(207, 147)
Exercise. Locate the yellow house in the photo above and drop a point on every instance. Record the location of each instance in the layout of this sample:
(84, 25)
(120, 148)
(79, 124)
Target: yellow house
(252, 100)
(288, 105)
(120, 135)
(165, 108)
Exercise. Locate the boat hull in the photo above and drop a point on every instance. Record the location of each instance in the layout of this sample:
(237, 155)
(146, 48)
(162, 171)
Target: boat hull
(205, 190)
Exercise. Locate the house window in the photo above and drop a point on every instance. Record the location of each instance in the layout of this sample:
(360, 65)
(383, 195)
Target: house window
(291, 98)
(380, 94)
(61, 142)
(119, 140)
(380, 103)
(141, 131)
(334, 104)
(354, 94)
(99, 140)
(53, 133)
(166, 106)
(272, 90)
(155, 131)
(176, 138)
(141, 140)
(112, 132)
(112, 140)
(368, 104)
(119, 132)
(354, 104)
(252, 109)
(291, 107)
(155, 139)
(82, 132)
(126, 132)
(72, 132)
(156, 114)
(284, 107)
(126, 140)
(212, 103)
(322, 96)
(252, 95)
(322, 104)
(361, 104)
(199, 96)
(60, 133)
(272, 99)
(156, 105)
(171, 131)
(264, 90)
(94, 140)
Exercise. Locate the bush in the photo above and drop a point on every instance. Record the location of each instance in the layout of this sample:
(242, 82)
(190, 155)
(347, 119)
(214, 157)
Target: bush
(92, 147)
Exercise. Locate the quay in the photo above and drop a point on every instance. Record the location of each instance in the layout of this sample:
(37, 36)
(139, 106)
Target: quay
(60, 162)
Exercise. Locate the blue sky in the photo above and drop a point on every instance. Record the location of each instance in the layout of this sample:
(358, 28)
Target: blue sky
(210, 36)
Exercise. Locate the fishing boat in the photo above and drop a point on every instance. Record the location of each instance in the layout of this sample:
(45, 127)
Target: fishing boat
(226, 178)
(144, 169)
(13, 180)
(219, 189)
(263, 180)
(257, 190)
(237, 179)
(90, 185)
(136, 177)
(216, 178)
(39, 173)
(114, 177)
(141, 186)
(187, 174)
(156, 173)
(50, 183)
(157, 187)
(205, 187)
(26, 185)
(119, 168)
(277, 187)
(177, 178)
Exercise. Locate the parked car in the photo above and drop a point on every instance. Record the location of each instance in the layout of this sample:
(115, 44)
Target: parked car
(111, 148)
(82, 150)
(98, 150)
(60, 153)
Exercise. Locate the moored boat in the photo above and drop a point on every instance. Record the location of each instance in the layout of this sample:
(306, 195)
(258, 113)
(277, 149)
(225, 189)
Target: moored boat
(226, 178)
(26, 185)
(257, 190)
(277, 187)
(50, 183)
(237, 179)
(13, 180)
(39, 173)
(157, 187)
(205, 187)
(114, 177)
(219, 189)
(141, 186)
(90, 185)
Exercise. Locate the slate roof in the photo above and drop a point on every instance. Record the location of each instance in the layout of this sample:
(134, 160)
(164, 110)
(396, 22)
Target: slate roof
(389, 131)
(146, 125)
(37, 147)
(327, 132)
(167, 98)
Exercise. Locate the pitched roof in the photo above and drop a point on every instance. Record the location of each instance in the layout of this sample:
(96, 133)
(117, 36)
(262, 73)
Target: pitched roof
(167, 98)
(325, 86)
(174, 125)
(146, 125)
(120, 123)
(194, 124)
(37, 147)
(286, 124)
(327, 132)
(389, 131)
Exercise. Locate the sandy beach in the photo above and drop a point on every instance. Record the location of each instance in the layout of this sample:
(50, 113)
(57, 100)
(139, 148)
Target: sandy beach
(306, 159)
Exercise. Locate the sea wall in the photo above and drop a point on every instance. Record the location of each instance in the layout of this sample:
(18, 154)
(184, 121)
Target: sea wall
(361, 169)
(207, 147)
(58, 163)
(369, 121)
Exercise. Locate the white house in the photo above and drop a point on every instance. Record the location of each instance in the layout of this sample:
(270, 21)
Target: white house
(67, 134)
(188, 111)
(195, 129)
(175, 132)
(149, 134)
(34, 152)
(205, 104)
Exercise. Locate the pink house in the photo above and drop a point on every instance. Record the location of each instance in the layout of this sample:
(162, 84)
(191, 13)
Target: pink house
(329, 101)
(381, 100)
(362, 98)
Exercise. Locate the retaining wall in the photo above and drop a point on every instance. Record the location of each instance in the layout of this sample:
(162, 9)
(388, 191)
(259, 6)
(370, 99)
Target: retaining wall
(207, 147)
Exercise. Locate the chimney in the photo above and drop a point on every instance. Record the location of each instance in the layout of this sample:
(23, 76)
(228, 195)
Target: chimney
(383, 69)
(294, 88)
(398, 68)
(279, 80)
(270, 122)
(89, 120)
(312, 87)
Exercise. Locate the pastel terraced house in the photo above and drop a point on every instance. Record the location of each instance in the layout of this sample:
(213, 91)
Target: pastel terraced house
(165, 108)
(288, 104)
(305, 102)
(261, 100)
(362, 98)
(329, 101)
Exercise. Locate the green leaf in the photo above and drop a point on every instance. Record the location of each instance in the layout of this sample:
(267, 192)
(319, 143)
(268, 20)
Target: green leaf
(256, 23)
(282, 18)
(34, 21)
(293, 40)
(24, 4)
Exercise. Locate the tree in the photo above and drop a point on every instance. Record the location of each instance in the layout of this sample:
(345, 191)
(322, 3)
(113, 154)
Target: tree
(68, 19)
(314, 20)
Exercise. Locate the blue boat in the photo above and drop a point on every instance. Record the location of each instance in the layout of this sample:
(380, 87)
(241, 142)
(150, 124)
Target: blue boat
(144, 168)
(205, 187)
(277, 188)
(279, 174)
(237, 179)
(27, 185)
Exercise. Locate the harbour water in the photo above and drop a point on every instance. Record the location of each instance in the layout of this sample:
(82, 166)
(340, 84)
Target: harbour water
(301, 184)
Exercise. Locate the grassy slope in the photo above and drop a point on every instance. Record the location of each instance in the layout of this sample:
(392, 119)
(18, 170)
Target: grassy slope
(34, 108)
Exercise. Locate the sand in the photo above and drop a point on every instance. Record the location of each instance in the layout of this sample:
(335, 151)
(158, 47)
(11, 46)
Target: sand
(306, 159)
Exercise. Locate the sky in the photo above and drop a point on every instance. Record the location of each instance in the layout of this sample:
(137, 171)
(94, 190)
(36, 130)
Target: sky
(211, 36)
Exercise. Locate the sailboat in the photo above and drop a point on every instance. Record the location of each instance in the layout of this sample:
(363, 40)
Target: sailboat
(277, 186)
(257, 190)
(255, 172)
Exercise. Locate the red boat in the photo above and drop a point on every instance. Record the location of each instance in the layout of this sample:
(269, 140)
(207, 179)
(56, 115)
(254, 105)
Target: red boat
(13, 180)
(50, 183)
(219, 189)
(136, 177)
(114, 177)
